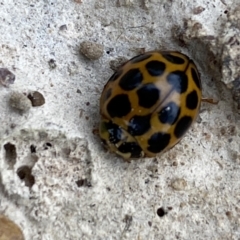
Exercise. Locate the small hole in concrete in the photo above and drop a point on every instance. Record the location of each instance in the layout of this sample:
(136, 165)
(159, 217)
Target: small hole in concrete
(48, 144)
(10, 153)
(161, 212)
(80, 182)
(25, 174)
(33, 149)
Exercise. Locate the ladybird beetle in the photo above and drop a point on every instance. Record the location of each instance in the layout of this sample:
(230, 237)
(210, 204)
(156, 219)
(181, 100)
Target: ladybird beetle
(149, 103)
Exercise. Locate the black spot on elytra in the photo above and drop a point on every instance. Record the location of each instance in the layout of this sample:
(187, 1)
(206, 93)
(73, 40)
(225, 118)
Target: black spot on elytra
(178, 80)
(140, 58)
(80, 182)
(148, 95)
(155, 68)
(182, 126)
(138, 125)
(173, 59)
(119, 106)
(169, 114)
(192, 100)
(196, 78)
(115, 132)
(131, 79)
(131, 147)
(115, 75)
(158, 142)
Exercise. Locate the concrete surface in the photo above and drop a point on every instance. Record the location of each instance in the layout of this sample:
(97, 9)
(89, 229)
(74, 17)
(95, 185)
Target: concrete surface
(57, 182)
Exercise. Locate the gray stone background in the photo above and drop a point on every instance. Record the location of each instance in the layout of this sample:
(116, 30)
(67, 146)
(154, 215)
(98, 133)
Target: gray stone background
(58, 182)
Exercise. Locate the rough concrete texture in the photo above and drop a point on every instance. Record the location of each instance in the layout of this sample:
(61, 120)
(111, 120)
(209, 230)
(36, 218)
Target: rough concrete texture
(57, 182)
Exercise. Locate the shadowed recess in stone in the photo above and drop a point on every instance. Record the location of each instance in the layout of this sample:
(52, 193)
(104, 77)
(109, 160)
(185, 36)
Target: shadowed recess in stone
(161, 212)
(25, 174)
(10, 153)
(33, 148)
(182, 126)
